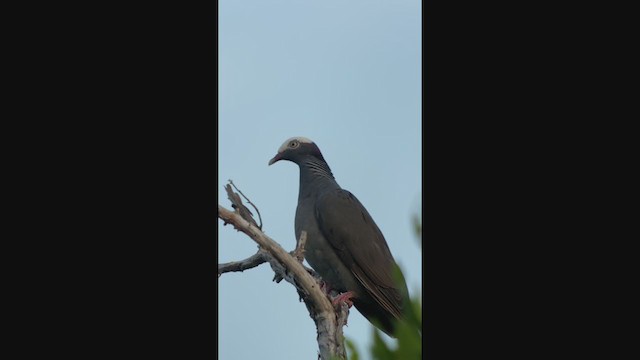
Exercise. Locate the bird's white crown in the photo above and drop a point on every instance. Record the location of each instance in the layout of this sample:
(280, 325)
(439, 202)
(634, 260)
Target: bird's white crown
(301, 139)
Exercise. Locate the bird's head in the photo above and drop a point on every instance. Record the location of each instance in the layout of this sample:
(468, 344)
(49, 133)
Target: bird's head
(295, 149)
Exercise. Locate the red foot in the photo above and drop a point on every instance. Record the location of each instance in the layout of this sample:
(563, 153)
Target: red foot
(346, 297)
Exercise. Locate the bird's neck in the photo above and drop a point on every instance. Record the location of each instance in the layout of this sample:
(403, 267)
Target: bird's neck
(315, 175)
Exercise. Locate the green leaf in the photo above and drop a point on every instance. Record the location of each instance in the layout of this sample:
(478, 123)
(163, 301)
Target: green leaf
(379, 349)
(352, 350)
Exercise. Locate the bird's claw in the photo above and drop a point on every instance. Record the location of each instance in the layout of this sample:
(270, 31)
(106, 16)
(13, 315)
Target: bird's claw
(346, 297)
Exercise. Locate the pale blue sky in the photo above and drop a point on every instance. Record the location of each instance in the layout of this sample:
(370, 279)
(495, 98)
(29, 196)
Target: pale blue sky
(347, 75)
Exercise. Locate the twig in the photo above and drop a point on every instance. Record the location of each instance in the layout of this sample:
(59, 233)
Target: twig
(330, 341)
(242, 265)
(298, 253)
(237, 204)
(249, 201)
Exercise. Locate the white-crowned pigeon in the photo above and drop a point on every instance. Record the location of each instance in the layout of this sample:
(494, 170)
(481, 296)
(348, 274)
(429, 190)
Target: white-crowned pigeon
(344, 244)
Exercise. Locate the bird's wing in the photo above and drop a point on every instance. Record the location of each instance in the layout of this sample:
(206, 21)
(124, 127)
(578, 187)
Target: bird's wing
(359, 243)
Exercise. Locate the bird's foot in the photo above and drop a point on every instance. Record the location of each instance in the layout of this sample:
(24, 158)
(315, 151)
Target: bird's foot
(346, 297)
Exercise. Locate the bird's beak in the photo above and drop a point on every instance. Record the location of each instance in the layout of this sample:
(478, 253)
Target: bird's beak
(275, 158)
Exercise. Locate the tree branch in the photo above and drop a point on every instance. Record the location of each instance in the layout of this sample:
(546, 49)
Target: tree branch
(249, 201)
(242, 265)
(238, 206)
(298, 253)
(328, 321)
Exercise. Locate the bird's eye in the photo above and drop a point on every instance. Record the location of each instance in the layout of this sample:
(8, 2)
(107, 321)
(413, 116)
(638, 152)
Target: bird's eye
(294, 144)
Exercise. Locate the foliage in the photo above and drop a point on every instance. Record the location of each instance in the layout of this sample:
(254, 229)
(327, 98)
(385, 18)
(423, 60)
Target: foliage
(417, 228)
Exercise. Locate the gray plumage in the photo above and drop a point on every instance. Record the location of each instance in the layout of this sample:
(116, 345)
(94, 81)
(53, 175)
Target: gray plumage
(344, 244)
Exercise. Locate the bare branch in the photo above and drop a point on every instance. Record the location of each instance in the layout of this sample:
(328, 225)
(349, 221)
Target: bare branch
(330, 341)
(298, 253)
(342, 315)
(249, 201)
(242, 265)
(238, 206)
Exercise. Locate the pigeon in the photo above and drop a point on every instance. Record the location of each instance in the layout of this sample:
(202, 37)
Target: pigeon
(344, 245)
